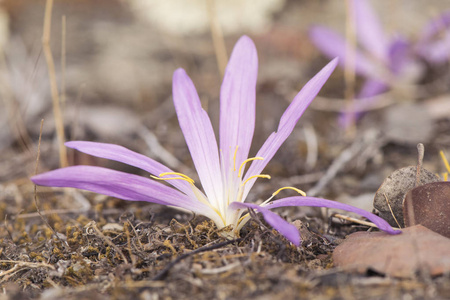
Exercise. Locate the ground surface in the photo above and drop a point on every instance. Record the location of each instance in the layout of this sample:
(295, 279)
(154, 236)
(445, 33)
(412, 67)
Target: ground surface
(117, 79)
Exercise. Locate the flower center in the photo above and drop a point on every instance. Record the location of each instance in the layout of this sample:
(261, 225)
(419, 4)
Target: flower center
(235, 188)
(240, 193)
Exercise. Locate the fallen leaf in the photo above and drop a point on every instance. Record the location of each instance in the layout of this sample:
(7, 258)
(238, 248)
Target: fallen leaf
(429, 205)
(417, 249)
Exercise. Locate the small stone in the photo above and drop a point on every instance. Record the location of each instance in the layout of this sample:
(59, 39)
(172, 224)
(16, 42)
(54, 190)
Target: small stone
(394, 189)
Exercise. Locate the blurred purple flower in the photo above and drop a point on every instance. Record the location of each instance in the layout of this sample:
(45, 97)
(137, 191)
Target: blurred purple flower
(434, 42)
(221, 172)
(382, 61)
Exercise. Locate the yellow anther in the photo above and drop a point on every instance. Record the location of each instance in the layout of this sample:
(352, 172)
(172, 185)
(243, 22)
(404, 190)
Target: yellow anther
(445, 175)
(246, 161)
(290, 188)
(256, 176)
(447, 166)
(234, 158)
(180, 177)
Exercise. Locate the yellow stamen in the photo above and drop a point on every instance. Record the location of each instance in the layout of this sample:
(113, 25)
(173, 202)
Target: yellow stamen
(447, 166)
(445, 175)
(180, 177)
(290, 188)
(234, 158)
(171, 178)
(176, 173)
(284, 188)
(241, 219)
(246, 161)
(256, 176)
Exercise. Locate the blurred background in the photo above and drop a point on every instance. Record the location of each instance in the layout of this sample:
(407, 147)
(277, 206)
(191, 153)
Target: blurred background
(114, 62)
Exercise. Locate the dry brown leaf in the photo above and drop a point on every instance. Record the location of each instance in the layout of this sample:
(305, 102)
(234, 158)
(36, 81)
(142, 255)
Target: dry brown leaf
(417, 249)
(429, 205)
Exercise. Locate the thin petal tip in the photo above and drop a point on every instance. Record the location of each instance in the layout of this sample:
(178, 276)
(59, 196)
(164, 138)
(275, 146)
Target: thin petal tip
(180, 77)
(245, 39)
(38, 179)
(72, 144)
(333, 63)
(394, 231)
(178, 72)
(295, 239)
(245, 43)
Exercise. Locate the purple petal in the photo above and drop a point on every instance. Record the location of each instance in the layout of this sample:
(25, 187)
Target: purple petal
(435, 52)
(369, 30)
(431, 46)
(333, 45)
(274, 220)
(318, 202)
(237, 101)
(399, 55)
(370, 89)
(288, 122)
(118, 184)
(199, 134)
(126, 156)
(436, 25)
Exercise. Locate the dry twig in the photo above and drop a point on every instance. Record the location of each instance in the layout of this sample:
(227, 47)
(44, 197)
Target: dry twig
(217, 36)
(93, 225)
(53, 85)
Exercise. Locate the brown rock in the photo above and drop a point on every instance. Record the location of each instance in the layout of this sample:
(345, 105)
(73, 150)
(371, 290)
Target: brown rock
(394, 189)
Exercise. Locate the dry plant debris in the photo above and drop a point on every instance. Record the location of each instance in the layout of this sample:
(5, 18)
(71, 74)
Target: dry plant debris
(91, 254)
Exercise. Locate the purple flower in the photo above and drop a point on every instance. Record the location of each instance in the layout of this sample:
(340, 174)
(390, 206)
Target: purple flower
(434, 42)
(378, 59)
(222, 173)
